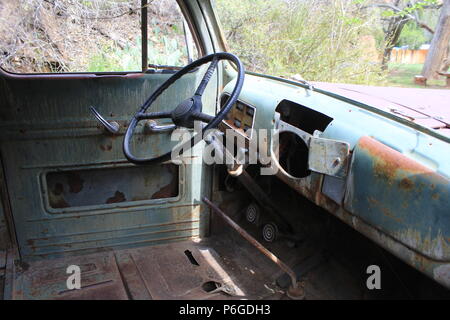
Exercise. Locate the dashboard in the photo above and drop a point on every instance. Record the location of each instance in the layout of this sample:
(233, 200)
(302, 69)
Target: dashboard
(241, 116)
(396, 184)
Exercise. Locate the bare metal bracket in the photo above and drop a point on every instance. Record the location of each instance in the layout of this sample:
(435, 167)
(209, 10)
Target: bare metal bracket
(325, 156)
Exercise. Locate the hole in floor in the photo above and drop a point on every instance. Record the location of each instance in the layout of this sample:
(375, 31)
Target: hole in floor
(191, 257)
(210, 286)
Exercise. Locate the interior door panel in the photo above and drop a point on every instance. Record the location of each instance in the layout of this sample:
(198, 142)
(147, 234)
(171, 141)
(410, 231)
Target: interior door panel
(70, 185)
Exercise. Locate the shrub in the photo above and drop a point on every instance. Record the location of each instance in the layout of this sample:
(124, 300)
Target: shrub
(412, 36)
(320, 40)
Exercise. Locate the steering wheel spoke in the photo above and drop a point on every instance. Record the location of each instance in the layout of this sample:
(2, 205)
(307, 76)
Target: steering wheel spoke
(153, 115)
(202, 117)
(206, 77)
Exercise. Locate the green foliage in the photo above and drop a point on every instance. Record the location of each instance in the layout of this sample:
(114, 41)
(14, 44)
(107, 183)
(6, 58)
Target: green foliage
(388, 13)
(402, 75)
(166, 49)
(416, 6)
(163, 50)
(319, 40)
(116, 59)
(412, 36)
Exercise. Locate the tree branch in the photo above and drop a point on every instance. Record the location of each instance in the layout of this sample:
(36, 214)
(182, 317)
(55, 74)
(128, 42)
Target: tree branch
(408, 15)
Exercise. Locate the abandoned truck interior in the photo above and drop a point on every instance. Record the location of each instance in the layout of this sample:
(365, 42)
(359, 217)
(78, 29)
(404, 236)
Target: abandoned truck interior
(308, 191)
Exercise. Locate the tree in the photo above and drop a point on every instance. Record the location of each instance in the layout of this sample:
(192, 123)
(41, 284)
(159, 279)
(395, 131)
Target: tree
(396, 13)
(439, 48)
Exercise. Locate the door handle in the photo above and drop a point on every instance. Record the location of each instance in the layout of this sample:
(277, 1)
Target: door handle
(152, 126)
(112, 127)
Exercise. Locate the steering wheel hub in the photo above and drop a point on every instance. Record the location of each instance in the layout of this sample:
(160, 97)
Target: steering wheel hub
(181, 114)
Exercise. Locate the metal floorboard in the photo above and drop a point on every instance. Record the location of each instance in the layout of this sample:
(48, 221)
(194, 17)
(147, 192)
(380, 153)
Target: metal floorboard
(181, 270)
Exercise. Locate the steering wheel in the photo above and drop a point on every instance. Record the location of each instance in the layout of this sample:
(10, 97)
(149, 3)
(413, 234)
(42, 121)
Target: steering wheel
(188, 110)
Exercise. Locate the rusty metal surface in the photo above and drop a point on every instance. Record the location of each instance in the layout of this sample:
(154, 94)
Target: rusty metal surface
(173, 275)
(9, 275)
(2, 259)
(100, 279)
(426, 107)
(400, 197)
(166, 271)
(257, 245)
(132, 276)
(436, 270)
(351, 121)
(311, 186)
(107, 186)
(182, 270)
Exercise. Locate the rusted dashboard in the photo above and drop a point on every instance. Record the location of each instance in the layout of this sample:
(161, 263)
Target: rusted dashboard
(241, 116)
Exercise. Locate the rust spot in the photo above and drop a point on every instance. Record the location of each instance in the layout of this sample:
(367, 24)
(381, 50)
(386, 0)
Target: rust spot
(372, 201)
(388, 160)
(406, 184)
(118, 197)
(435, 196)
(375, 203)
(75, 182)
(164, 192)
(170, 190)
(107, 147)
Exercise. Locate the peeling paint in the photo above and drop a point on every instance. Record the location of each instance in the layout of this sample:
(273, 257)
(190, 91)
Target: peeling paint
(400, 197)
(437, 246)
(118, 197)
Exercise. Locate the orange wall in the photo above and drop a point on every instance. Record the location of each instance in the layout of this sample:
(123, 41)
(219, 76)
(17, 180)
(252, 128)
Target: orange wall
(408, 56)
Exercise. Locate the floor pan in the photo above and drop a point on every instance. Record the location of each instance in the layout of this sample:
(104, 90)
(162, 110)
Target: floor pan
(221, 267)
(183, 270)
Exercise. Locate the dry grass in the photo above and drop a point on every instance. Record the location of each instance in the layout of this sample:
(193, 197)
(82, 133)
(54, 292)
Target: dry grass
(67, 36)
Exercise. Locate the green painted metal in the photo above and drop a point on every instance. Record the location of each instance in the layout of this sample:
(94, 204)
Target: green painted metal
(47, 126)
(409, 208)
(400, 198)
(350, 121)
